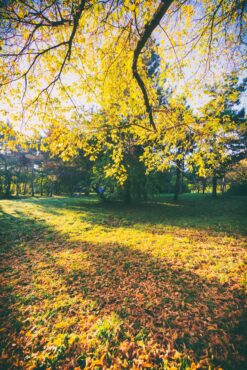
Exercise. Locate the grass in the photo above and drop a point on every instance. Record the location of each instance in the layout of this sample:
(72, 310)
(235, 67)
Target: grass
(152, 286)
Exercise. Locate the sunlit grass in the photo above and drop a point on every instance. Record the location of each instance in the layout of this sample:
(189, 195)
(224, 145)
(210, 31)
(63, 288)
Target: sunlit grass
(92, 286)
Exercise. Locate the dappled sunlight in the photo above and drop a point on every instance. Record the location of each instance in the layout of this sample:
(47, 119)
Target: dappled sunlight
(73, 261)
(123, 179)
(205, 251)
(167, 204)
(116, 293)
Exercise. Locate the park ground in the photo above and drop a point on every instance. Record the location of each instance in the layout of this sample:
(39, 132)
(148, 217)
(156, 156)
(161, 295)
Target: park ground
(107, 286)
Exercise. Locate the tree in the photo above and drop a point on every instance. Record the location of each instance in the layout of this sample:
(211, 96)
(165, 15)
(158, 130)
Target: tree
(103, 47)
(70, 27)
(223, 130)
(173, 142)
(237, 177)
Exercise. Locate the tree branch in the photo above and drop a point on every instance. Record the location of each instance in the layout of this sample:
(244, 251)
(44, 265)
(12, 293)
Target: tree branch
(149, 27)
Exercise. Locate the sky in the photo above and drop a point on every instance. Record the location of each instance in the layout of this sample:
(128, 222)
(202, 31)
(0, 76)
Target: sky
(195, 97)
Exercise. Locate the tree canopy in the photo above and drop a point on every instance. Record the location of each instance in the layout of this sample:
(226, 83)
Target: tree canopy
(108, 77)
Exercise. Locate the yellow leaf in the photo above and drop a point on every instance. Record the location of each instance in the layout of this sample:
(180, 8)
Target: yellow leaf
(4, 356)
(147, 365)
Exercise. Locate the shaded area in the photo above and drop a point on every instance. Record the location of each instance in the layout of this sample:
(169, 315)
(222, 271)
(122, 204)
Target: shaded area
(69, 303)
(224, 214)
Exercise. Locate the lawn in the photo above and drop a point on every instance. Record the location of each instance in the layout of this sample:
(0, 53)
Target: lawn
(152, 286)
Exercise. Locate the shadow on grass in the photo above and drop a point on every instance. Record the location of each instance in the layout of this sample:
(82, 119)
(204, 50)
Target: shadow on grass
(160, 305)
(224, 214)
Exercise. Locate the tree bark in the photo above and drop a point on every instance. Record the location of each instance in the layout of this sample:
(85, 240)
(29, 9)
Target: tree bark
(7, 181)
(204, 185)
(214, 186)
(148, 29)
(32, 181)
(8, 185)
(223, 185)
(127, 195)
(178, 181)
(41, 187)
(17, 189)
(51, 190)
